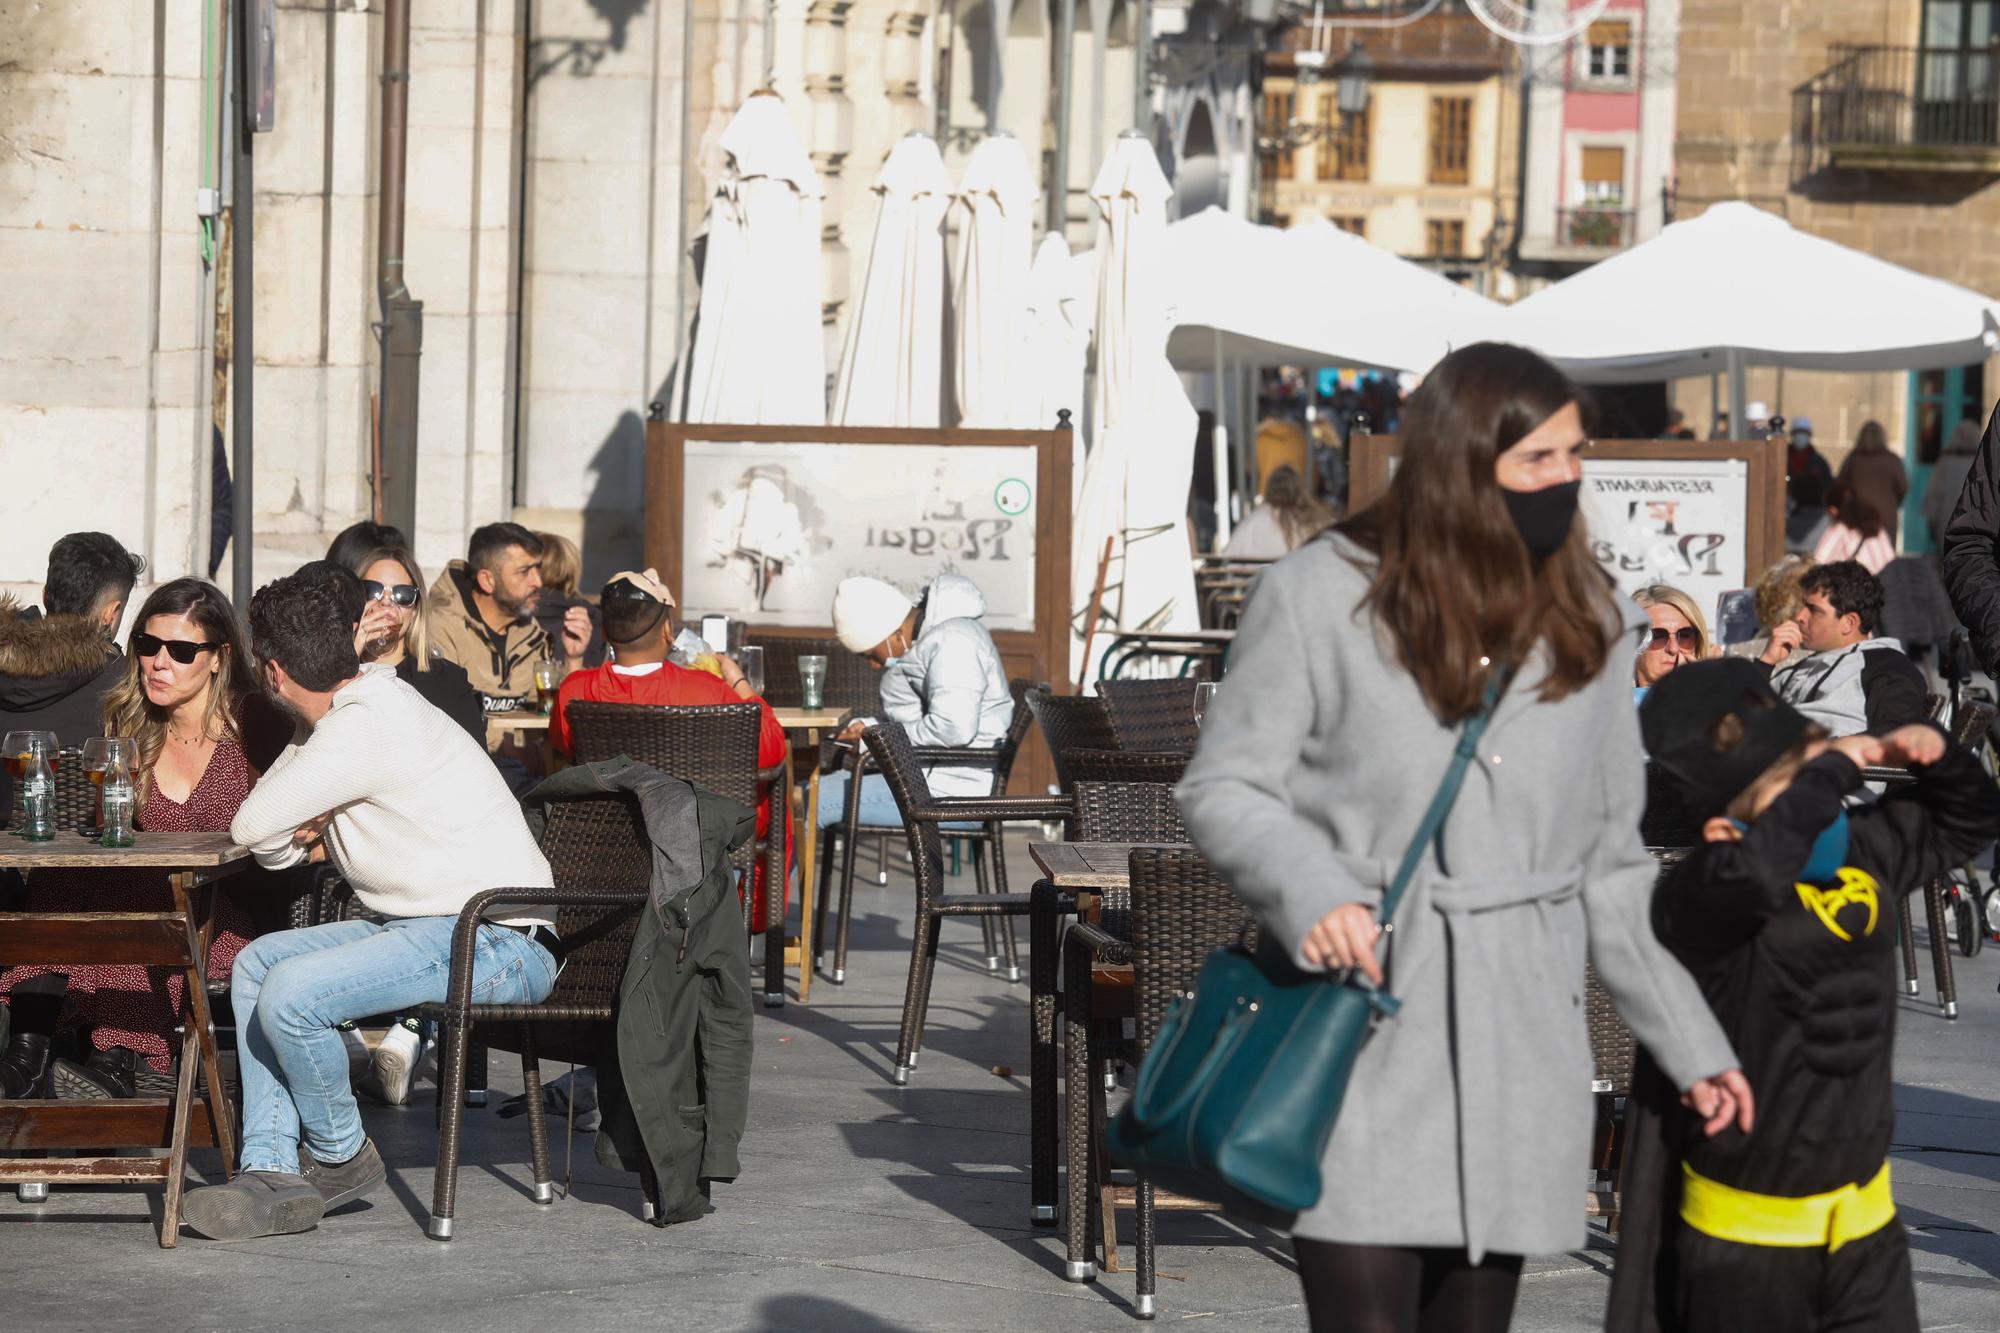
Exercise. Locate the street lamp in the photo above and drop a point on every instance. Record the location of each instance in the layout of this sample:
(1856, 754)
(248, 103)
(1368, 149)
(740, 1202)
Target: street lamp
(1352, 72)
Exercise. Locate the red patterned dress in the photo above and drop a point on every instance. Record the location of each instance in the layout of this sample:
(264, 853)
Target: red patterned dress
(128, 1005)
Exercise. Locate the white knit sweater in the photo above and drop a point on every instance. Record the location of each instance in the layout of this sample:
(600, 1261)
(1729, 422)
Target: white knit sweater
(422, 820)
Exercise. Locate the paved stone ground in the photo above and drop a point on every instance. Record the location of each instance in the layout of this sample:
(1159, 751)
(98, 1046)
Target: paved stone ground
(869, 1207)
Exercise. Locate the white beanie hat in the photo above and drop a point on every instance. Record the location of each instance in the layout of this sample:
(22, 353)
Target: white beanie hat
(867, 611)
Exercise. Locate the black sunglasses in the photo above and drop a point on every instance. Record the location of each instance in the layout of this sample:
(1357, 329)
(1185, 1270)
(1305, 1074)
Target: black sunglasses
(183, 651)
(1687, 636)
(402, 594)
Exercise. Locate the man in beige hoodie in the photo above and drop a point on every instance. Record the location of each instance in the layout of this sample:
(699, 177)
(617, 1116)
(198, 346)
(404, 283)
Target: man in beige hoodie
(481, 613)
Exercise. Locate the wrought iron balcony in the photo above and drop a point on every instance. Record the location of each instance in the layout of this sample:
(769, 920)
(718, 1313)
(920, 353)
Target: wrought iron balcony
(1901, 108)
(1593, 227)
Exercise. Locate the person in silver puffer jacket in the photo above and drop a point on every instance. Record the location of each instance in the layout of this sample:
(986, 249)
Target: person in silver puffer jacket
(942, 680)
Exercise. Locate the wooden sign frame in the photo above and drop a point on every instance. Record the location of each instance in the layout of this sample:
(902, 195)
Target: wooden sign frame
(1040, 654)
(1370, 458)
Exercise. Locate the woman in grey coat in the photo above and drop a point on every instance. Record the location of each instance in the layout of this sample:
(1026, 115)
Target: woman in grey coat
(1462, 1142)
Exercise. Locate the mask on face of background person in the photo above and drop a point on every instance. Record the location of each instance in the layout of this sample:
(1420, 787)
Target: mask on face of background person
(1544, 517)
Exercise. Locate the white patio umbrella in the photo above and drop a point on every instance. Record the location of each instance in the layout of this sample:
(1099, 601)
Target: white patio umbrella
(1135, 482)
(993, 360)
(1059, 333)
(891, 371)
(1740, 287)
(758, 355)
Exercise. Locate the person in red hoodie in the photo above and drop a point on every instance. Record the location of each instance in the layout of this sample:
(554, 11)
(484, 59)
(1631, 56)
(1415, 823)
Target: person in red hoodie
(639, 626)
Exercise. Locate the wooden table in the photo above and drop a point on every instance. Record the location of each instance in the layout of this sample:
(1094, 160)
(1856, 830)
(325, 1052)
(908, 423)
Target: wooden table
(807, 724)
(179, 938)
(1086, 865)
(513, 727)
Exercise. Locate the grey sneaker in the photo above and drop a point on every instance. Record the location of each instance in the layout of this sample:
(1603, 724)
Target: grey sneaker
(348, 1181)
(256, 1203)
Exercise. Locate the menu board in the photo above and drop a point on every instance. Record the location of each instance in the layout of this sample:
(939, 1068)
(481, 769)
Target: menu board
(1681, 522)
(770, 529)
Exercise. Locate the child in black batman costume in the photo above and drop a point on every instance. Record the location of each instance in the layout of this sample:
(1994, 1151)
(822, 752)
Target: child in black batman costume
(1784, 914)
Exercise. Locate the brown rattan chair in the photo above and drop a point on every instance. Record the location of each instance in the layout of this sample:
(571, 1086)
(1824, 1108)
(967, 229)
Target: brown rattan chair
(923, 814)
(1180, 913)
(75, 807)
(602, 860)
(1164, 766)
(1113, 811)
(714, 746)
(1152, 715)
(1071, 722)
(984, 839)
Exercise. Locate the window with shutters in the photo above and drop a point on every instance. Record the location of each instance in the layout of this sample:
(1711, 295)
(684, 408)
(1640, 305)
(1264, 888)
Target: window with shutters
(1451, 140)
(1277, 127)
(1604, 177)
(1608, 49)
(1352, 226)
(1446, 237)
(1343, 145)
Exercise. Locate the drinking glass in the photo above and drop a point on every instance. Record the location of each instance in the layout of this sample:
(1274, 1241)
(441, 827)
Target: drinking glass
(15, 748)
(548, 677)
(812, 681)
(1204, 696)
(751, 659)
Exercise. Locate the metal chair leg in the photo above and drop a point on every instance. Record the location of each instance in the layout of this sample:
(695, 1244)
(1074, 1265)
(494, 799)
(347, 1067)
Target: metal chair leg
(1148, 1282)
(1940, 949)
(846, 917)
(1079, 1265)
(828, 838)
(997, 850)
(538, 1125)
(453, 1040)
(986, 923)
(1909, 942)
(1047, 906)
(906, 1040)
(475, 1071)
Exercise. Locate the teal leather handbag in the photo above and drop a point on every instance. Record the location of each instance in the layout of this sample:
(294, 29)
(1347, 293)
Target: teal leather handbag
(1239, 1092)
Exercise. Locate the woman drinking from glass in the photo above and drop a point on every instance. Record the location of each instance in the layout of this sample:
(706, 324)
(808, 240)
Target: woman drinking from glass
(1467, 1120)
(189, 702)
(392, 633)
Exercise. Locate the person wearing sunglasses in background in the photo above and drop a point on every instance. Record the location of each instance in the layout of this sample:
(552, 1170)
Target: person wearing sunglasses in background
(1679, 634)
(393, 632)
(204, 731)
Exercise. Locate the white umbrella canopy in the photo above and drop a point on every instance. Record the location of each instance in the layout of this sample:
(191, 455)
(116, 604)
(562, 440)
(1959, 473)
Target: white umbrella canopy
(993, 361)
(758, 355)
(1135, 483)
(1058, 334)
(891, 371)
(1740, 286)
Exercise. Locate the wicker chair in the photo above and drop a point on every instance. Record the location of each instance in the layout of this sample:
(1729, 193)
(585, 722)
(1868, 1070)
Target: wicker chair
(1071, 722)
(1111, 811)
(1152, 715)
(984, 839)
(922, 814)
(1180, 914)
(75, 805)
(1164, 766)
(602, 860)
(715, 746)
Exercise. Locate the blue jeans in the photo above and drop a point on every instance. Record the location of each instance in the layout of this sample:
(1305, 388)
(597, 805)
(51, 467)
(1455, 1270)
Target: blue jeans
(878, 803)
(292, 988)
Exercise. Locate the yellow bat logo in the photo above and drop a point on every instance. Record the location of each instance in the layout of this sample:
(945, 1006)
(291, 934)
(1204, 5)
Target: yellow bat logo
(1856, 886)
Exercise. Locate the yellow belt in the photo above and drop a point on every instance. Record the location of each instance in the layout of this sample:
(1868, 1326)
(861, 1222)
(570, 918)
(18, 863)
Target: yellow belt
(1831, 1219)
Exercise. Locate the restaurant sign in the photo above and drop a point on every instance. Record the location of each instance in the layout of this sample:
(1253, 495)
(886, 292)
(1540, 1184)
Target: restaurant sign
(1678, 521)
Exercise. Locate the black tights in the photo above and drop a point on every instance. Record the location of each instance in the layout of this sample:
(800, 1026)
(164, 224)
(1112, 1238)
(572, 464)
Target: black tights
(1393, 1289)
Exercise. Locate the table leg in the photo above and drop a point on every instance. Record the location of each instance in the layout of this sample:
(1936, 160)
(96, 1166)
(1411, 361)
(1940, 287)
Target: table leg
(808, 844)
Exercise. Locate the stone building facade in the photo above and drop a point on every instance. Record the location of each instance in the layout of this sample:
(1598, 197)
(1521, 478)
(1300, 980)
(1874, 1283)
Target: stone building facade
(1871, 123)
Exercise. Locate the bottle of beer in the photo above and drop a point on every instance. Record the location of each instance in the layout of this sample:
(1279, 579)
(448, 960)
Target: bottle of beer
(38, 798)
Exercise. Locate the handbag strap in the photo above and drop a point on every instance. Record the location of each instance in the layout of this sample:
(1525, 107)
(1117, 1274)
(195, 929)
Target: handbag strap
(1447, 793)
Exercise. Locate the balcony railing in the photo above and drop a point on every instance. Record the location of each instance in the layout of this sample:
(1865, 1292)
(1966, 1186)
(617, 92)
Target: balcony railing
(1901, 108)
(1592, 227)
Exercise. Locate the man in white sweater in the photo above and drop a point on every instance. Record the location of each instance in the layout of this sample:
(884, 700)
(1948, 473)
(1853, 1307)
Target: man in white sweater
(419, 821)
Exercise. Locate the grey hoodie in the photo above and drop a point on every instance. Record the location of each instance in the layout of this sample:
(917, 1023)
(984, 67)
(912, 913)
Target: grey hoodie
(1867, 686)
(950, 688)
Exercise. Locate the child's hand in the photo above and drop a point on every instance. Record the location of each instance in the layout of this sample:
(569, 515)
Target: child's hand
(1913, 746)
(1722, 1100)
(1866, 751)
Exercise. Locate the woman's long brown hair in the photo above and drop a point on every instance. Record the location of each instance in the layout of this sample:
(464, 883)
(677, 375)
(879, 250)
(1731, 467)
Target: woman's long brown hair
(127, 710)
(1452, 581)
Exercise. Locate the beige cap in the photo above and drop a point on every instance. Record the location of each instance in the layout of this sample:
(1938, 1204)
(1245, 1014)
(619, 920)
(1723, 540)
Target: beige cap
(647, 581)
(867, 611)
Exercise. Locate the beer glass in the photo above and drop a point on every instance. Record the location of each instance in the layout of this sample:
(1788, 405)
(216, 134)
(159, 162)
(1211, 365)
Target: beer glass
(812, 681)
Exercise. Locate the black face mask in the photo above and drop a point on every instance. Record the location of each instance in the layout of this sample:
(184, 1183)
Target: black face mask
(1543, 518)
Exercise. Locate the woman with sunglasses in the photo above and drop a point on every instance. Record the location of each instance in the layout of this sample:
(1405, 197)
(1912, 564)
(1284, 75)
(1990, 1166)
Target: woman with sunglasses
(392, 633)
(189, 699)
(1678, 634)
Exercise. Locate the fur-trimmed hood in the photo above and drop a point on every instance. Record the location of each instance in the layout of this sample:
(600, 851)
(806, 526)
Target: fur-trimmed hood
(47, 658)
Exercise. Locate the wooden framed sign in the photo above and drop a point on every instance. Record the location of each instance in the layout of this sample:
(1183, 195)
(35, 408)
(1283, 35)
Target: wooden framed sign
(1705, 517)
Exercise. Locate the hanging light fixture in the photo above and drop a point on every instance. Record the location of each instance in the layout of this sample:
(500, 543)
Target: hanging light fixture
(1353, 72)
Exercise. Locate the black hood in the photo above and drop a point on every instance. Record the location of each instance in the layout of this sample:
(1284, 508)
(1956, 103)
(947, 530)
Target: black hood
(45, 659)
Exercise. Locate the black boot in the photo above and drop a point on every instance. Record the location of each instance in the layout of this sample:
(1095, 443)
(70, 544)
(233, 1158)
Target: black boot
(112, 1073)
(24, 1068)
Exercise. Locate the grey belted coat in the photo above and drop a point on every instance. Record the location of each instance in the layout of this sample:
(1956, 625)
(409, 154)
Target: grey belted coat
(1468, 1119)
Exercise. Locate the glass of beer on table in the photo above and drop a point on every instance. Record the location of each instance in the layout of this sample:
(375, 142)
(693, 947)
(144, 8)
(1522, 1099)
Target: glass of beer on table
(15, 749)
(548, 677)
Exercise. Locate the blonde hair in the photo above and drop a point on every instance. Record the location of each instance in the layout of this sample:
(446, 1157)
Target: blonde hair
(562, 563)
(1780, 592)
(1661, 594)
(416, 638)
(127, 710)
